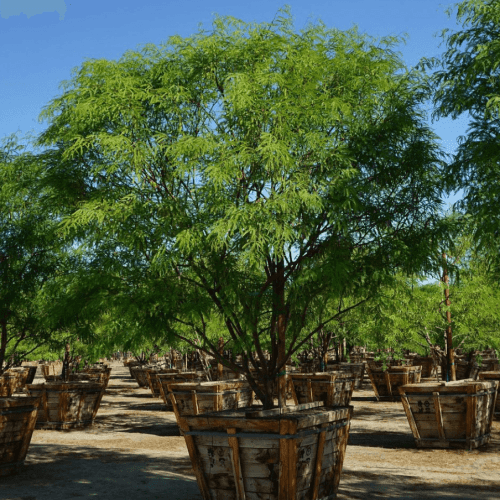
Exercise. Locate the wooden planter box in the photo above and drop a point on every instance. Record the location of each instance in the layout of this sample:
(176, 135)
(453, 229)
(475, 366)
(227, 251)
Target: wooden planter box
(193, 398)
(390, 363)
(332, 388)
(154, 382)
(51, 370)
(227, 373)
(130, 365)
(100, 375)
(488, 376)
(296, 453)
(165, 379)
(9, 382)
(464, 369)
(140, 375)
(67, 405)
(17, 422)
(355, 370)
(26, 373)
(429, 366)
(450, 415)
(94, 377)
(385, 383)
(489, 365)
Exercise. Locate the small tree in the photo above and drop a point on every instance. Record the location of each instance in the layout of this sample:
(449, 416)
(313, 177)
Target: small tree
(247, 173)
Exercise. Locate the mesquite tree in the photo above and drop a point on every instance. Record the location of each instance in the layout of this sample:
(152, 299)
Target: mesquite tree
(250, 174)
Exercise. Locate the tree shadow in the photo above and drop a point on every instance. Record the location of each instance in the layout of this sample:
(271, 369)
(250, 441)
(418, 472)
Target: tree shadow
(59, 472)
(379, 439)
(364, 485)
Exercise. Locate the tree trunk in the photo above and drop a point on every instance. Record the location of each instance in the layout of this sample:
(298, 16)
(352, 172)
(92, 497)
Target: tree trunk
(66, 367)
(220, 366)
(450, 355)
(3, 343)
(280, 296)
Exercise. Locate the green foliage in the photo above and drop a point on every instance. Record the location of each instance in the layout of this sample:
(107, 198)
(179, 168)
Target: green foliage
(240, 177)
(412, 315)
(467, 81)
(31, 255)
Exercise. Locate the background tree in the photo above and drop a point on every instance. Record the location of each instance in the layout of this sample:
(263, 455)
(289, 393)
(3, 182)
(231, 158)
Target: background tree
(467, 80)
(247, 173)
(412, 316)
(32, 256)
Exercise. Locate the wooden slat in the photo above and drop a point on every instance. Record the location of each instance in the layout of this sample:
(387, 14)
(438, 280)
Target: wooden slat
(62, 406)
(294, 394)
(372, 381)
(388, 383)
(281, 411)
(470, 421)
(44, 402)
(409, 414)
(318, 464)
(196, 410)
(194, 456)
(292, 461)
(493, 406)
(310, 397)
(82, 398)
(284, 460)
(343, 432)
(235, 460)
(98, 402)
(439, 416)
(331, 392)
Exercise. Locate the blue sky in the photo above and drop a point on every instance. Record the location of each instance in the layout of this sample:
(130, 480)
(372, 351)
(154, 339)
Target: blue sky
(41, 41)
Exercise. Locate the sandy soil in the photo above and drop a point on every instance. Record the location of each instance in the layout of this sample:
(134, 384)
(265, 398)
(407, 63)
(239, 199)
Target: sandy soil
(135, 451)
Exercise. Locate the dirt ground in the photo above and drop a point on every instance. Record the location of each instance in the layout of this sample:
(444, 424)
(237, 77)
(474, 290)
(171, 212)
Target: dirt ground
(135, 451)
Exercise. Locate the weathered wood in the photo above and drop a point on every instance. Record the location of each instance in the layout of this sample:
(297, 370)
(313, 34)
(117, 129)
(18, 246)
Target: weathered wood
(195, 459)
(235, 460)
(428, 364)
(287, 467)
(210, 396)
(409, 414)
(388, 383)
(283, 478)
(385, 383)
(494, 376)
(439, 416)
(279, 411)
(9, 382)
(176, 377)
(140, 374)
(196, 410)
(334, 389)
(355, 370)
(318, 463)
(67, 405)
(17, 422)
(455, 414)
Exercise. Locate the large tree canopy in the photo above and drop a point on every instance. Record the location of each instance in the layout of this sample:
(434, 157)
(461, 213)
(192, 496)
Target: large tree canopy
(252, 173)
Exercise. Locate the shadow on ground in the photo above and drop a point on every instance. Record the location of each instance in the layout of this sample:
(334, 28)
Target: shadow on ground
(60, 472)
(370, 485)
